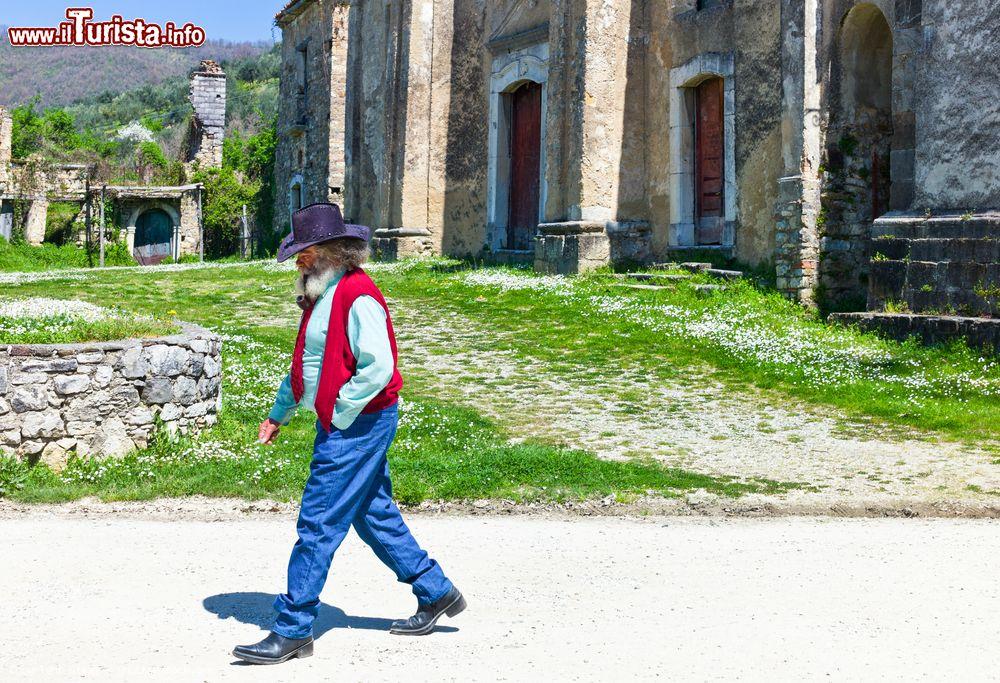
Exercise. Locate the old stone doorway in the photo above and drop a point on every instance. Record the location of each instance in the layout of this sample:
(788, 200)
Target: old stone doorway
(856, 178)
(153, 235)
(709, 162)
(525, 164)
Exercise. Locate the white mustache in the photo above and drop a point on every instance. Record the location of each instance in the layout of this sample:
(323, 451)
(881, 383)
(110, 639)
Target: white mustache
(311, 285)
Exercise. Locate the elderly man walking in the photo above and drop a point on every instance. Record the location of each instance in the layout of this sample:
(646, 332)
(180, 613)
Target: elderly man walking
(344, 368)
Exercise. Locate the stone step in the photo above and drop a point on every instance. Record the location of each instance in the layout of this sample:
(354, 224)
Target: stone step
(695, 266)
(723, 274)
(647, 277)
(968, 287)
(981, 333)
(976, 250)
(943, 226)
(642, 286)
(705, 290)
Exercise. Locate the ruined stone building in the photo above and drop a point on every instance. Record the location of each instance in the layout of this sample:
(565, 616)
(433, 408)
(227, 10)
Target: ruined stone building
(158, 221)
(573, 133)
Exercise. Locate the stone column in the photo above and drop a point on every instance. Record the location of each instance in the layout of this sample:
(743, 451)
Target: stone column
(34, 226)
(407, 228)
(6, 130)
(130, 238)
(796, 239)
(175, 243)
(338, 44)
(590, 42)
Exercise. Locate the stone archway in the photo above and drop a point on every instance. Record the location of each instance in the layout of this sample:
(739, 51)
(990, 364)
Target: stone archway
(153, 232)
(856, 165)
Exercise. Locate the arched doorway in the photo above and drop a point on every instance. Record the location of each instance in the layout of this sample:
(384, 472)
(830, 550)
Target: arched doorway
(856, 182)
(525, 164)
(866, 98)
(153, 234)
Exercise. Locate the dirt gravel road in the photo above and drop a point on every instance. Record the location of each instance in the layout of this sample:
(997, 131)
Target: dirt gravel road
(106, 598)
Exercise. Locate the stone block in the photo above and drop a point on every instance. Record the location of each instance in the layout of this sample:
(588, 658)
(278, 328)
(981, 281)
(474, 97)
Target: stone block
(28, 398)
(102, 376)
(81, 428)
(90, 357)
(140, 415)
(170, 412)
(45, 424)
(55, 456)
(133, 363)
(123, 398)
(46, 365)
(113, 439)
(195, 365)
(10, 437)
(185, 391)
(18, 378)
(158, 390)
(213, 366)
(208, 386)
(198, 409)
(67, 385)
(202, 346)
(4, 406)
(167, 361)
(31, 448)
(4, 382)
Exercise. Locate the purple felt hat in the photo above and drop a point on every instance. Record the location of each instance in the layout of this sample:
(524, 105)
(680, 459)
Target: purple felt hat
(317, 223)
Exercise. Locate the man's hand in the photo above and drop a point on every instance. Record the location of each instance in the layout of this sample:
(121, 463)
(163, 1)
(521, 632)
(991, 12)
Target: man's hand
(268, 431)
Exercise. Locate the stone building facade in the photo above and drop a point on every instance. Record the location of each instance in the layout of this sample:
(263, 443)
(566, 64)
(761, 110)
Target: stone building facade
(573, 133)
(310, 161)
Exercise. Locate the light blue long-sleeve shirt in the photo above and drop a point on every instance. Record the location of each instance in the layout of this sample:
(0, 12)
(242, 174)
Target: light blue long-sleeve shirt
(369, 339)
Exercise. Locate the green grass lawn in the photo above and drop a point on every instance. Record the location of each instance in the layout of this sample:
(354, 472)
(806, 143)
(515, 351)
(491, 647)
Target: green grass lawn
(742, 337)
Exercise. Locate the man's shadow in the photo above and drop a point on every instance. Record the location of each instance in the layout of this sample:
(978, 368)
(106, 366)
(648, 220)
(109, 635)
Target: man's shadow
(255, 608)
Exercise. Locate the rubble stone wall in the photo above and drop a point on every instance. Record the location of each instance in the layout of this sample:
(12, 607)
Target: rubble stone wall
(104, 398)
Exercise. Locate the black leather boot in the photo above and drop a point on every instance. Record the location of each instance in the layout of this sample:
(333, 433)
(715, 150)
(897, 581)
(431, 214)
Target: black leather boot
(423, 621)
(274, 649)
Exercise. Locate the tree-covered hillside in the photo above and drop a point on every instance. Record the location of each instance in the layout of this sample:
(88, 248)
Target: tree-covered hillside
(139, 136)
(60, 75)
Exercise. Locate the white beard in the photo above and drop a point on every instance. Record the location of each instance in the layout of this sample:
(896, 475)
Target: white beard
(313, 284)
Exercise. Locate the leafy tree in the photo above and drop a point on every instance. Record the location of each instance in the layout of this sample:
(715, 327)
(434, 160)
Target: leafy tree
(60, 129)
(28, 130)
(150, 154)
(225, 195)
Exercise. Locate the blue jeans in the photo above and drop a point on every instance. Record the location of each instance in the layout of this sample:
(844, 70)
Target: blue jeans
(349, 484)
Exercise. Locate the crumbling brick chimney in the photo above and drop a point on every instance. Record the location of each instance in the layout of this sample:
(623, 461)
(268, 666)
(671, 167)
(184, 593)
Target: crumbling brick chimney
(208, 127)
(6, 129)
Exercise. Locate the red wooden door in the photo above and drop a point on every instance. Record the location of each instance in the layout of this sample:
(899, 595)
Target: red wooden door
(525, 158)
(709, 162)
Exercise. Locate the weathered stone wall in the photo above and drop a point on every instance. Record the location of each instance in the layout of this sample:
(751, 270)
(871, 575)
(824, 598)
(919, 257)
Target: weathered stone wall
(751, 33)
(311, 108)
(103, 398)
(957, 108)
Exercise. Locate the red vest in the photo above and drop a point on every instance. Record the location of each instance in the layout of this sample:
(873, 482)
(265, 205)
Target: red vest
(339, 364)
